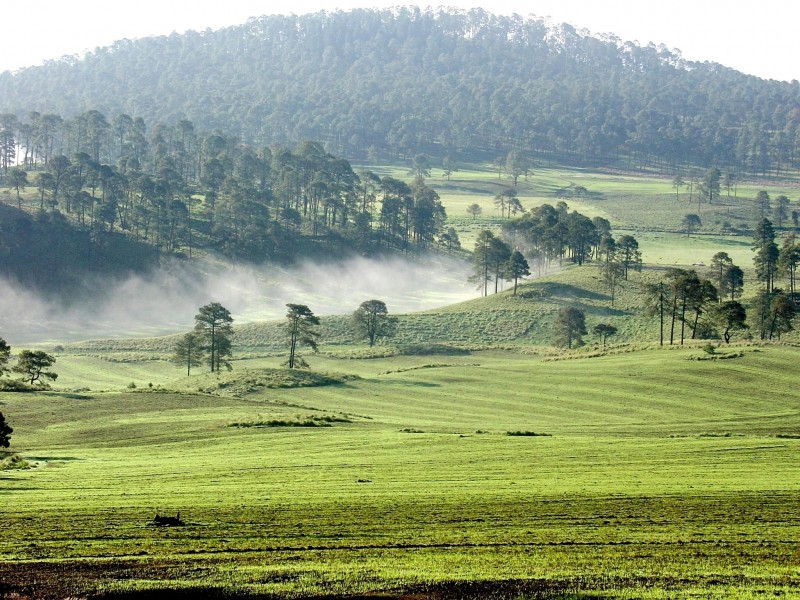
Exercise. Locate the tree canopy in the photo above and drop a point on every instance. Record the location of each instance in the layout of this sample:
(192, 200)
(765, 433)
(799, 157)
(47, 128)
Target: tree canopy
(570, 326)
(550, 90)
(214, 330)
(301, 328)
(371, 321)
(5, 432)
(34, 366)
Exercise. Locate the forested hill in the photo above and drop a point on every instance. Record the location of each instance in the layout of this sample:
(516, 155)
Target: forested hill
(440, 82)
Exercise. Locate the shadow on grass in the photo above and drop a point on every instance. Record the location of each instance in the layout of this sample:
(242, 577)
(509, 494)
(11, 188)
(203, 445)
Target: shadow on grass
(564, 290)
(52, 458)
(479, 590)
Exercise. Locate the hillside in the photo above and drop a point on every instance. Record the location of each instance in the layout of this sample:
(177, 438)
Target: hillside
(46, 253)
(367, 82)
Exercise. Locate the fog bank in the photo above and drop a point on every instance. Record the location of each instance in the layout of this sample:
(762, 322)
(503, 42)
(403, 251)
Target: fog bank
(166, 300)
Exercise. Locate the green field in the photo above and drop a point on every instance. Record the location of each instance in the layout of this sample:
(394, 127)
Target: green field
(465, 458)
(656, 477)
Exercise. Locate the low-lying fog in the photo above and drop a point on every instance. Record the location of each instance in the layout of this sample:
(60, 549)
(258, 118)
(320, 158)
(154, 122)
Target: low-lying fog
(167, 300)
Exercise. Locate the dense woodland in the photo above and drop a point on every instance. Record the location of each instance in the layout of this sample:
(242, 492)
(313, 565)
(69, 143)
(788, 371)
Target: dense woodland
(443, 81)
(111, 193)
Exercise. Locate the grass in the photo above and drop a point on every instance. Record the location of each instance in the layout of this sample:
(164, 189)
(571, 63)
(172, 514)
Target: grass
(466, 457)
(656, 474)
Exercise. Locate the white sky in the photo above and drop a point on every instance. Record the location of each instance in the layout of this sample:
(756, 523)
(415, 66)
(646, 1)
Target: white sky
(757, 38)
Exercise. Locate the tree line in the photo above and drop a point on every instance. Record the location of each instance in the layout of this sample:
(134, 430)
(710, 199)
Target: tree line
(175, 189)
(211, 341)
(548, 235)
(461, 81)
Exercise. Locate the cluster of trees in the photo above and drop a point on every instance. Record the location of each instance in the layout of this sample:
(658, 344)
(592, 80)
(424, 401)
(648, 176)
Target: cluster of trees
(494, 260)
(32, 365)
(712, 306)
(552, 233)
(175, 188)
(689, 304)
(548, 234)
(570, 327)
(211, 341)
(495, 82)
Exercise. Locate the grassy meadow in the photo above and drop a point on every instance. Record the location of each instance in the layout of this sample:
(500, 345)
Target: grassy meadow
(650, 475)
(465, 458)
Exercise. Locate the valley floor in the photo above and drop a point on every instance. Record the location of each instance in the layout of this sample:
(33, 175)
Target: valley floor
(495, 474)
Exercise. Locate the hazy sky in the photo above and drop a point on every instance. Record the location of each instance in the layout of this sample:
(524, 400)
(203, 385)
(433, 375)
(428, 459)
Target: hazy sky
(755, 37)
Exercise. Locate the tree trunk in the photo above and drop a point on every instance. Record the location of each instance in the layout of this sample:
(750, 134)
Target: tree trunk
(683, 318)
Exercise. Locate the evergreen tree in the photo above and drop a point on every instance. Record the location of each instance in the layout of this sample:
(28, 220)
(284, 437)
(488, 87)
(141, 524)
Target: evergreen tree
(5, 432)
(301, 326)
(482, 260)
(691, 223)
(730, 316)
(629, 255)
(518, 268)
(604, 330)
(767, 253)
(214, 330)
(34, 365)
(371, 320)
(187, 351)
(5, 353)
(570, 326)
(788, 260)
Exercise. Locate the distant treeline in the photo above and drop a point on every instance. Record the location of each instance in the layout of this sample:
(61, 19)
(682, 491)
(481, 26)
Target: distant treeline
(176, 190)
(440, 81)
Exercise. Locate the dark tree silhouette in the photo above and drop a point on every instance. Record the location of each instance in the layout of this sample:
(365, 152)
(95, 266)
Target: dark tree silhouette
(188, 352)
(518, 268)
(301, 327)
(5, 432)
(730, 316)
(570, 326)
(371, 321)
(5, 352)
(691, 223)
(34, 365)
(605, 331)
(214, 328)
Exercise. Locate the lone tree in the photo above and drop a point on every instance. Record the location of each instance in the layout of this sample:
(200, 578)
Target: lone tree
(214, 329)
(474, 210)
(691, 223)
(518, 268)
(5, 432)
(5, 352)
(301, 323)
(605, 331)
(188, 351)
(571, 326)
(449, 166)
(371, 321)
(33, 365)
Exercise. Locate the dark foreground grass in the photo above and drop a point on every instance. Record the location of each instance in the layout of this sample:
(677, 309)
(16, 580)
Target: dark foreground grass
(662, 477)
